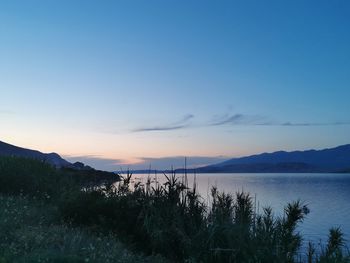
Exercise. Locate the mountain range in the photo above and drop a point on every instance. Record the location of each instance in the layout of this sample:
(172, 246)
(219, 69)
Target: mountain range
(310, 161)
(327, 160)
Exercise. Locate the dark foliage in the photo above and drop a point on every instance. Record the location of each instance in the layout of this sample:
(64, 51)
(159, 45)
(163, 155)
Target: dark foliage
(31, 177)
(171, 219)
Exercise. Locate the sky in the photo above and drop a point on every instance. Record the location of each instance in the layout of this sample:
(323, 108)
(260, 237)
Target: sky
(138, 83)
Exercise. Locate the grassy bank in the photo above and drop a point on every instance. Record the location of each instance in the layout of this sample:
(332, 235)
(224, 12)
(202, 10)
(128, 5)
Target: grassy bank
(31, 231)
(46, 217)
(31, 226)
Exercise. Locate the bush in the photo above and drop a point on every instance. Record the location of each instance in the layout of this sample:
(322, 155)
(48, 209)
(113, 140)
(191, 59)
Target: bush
(28, 176)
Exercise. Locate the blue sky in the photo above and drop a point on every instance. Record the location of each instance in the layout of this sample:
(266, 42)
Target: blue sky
(134, 81)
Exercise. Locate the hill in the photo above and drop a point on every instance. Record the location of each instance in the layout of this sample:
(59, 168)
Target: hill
(51, 158)
(327, 160)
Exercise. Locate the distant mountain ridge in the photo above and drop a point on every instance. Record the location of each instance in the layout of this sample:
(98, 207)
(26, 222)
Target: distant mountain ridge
(51, 158)
(327, 160)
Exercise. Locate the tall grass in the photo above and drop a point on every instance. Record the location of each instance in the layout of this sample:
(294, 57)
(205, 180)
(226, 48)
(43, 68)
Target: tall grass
(173, 220)
(170, 219)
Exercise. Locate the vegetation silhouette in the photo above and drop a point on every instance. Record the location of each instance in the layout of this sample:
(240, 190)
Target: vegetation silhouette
(169, 219)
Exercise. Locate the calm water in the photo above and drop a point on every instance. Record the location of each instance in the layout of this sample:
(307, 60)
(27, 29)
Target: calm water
(327, 196)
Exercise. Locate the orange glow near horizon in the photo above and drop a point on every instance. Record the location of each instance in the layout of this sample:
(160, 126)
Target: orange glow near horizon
(104, 147)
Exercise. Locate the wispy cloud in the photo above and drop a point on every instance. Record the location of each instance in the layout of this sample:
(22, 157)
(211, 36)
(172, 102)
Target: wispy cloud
(236, 119)
(183, 123)
(232, 119)
(256, 120)
(314, 124)
(228, 119)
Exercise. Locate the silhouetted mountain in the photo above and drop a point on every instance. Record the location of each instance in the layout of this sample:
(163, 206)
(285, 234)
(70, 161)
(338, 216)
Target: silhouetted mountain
(77, 169)
(328, 160)
(51, 158)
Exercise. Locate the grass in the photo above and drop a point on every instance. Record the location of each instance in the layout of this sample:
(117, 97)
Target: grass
(32, 232)
(50, 219)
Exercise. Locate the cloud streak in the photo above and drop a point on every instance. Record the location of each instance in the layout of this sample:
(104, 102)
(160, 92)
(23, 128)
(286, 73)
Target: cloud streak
(236, 119)
(314, 124)
(255, 120)
(183, 123)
